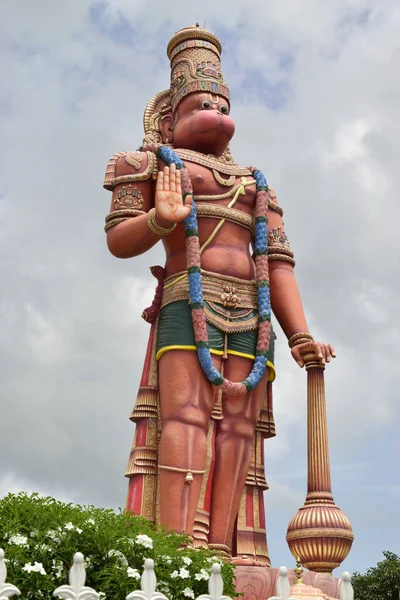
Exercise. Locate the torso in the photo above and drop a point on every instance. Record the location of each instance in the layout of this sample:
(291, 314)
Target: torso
(229, 253)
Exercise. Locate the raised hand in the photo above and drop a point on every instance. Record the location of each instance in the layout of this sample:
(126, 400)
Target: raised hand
(169, 205)
(324, 352)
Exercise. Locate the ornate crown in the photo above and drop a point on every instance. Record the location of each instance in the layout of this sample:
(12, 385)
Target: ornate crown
(195, 64)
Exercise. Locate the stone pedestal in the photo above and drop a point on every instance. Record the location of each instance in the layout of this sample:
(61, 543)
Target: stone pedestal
(259, 583)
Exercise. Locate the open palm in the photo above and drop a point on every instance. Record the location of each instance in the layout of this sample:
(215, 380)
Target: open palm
(169, 204)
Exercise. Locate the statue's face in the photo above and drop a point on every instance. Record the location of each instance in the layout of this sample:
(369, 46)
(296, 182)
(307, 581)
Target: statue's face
(202, 123)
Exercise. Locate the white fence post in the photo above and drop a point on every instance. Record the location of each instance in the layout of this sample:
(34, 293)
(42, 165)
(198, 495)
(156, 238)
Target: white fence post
(76, 590)
(215, 585)
(6, 589)
(148, 585)
(282, 589)
(346, 591)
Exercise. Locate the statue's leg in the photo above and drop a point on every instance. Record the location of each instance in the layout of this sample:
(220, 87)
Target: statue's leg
(234, 438)
(186, 401)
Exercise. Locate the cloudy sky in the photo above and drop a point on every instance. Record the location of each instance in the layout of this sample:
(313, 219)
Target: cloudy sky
(316, 95)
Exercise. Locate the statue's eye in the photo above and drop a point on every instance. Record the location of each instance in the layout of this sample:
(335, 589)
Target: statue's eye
(224, 109)
(205, 104)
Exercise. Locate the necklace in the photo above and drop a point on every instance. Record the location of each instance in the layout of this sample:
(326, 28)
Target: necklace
(212, 162)
(228, 182)
(169, 156)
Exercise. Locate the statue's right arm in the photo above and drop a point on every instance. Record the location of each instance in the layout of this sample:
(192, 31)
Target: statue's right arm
(130, 177)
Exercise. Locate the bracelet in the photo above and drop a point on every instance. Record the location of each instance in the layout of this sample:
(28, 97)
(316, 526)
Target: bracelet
(155, 227)
(299, 338)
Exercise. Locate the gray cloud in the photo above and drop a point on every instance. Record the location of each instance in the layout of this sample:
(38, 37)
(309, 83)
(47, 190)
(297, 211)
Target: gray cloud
(71, 339)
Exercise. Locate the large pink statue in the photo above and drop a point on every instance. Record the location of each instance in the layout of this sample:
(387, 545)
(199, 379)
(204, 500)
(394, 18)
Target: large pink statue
(204, 405)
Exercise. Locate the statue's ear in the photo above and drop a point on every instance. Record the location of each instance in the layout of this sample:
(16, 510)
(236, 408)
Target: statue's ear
(167, 127)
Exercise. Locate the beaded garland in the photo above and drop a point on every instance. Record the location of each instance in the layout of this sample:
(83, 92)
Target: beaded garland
(168, 156)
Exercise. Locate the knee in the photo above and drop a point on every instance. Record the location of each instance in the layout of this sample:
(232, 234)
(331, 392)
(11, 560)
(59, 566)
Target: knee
(238, 427)
(188, 416)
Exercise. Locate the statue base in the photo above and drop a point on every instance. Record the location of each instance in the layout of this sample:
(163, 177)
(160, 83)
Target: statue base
(259, 583)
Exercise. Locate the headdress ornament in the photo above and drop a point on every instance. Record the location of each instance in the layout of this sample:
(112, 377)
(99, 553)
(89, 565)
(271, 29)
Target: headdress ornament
(195, 55)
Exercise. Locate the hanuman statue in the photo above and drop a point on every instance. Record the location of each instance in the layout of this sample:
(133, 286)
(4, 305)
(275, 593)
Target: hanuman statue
(204, 405)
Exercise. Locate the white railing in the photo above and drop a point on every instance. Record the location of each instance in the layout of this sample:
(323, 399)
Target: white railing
(283, 587)
(77, 590)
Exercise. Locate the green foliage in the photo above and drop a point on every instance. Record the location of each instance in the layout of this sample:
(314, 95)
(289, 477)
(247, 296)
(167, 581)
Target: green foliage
(41, 535)
(379, 583)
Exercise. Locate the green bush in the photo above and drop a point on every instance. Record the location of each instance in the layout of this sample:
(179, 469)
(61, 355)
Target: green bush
(41, 535)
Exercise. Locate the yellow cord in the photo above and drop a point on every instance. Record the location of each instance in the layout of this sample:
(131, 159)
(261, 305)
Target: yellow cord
(239, 192)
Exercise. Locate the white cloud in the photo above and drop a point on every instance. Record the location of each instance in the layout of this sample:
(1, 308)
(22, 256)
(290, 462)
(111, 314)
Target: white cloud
(71, 339)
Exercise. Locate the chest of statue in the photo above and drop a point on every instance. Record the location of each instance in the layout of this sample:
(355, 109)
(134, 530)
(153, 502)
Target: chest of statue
(217, 182)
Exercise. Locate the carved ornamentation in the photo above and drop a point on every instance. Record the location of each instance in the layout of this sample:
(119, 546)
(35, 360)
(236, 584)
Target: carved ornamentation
(135, 159)
(319, 533)
(77, 590)
(129, 197)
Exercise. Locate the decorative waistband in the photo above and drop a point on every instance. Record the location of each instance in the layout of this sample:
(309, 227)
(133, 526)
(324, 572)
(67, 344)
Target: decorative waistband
(218, 211)
(227, 291)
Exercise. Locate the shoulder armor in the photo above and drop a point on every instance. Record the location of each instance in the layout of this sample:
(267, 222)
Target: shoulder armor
(135, 166)
(273, 202)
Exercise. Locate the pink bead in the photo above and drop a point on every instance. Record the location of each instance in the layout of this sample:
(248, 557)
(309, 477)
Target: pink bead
(199, 325)
(261, 204)
(262, 270)
(264, 334)
(193, 251)
(186, 182)
(231, 388)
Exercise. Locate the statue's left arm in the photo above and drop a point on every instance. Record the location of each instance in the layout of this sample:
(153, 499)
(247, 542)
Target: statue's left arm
(286, 301)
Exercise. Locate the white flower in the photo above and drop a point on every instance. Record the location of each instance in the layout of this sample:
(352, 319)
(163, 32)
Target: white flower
(184, 573)
(43, 548)
(133, 573)
(36, 568)
(78, 530)
(69, 526)
(58, 569)
(174, 574)
(144, 540)
(188, 561)
(54, 536)
(119, 556)
(166, 559)
(188, 592)
(18, 540)
(92, 522)
(202, 575)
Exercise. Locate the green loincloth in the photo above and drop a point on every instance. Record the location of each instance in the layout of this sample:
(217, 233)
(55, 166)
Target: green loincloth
(175, 332)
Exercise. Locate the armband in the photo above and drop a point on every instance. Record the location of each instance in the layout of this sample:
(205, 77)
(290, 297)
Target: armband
(119, 216)
(135, 160)
(279, 246)
(129, 197)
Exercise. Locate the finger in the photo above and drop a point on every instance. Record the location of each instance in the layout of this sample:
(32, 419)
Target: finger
(319, 352)
(160, 182)
(188, 201)
(331, 351)
(166, 179)
(297, 356)
(172, 178)
(178, 182)
(327, 353)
